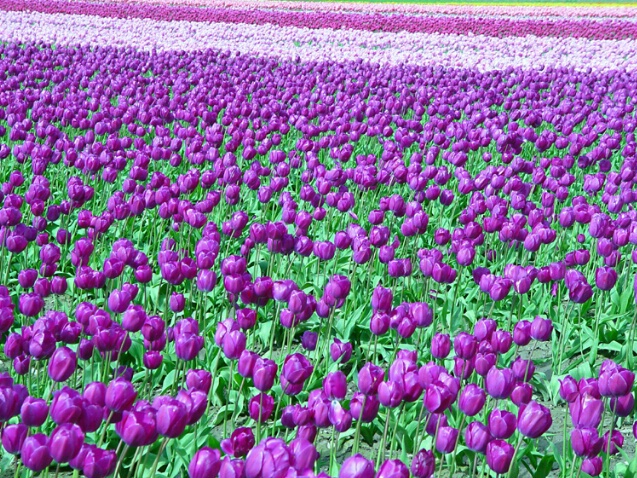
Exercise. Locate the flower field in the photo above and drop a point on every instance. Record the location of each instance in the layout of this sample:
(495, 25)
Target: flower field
(279, 239)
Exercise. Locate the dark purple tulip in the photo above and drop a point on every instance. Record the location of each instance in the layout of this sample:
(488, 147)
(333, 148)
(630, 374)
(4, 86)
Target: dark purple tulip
(622, 406)
(541, 329)
(65, 442)
(30, 304)
(62, 364)
(440, 346)
(205, 463)
(499, 456)
(66, 406)
(137, 428)
(605, 278)
(188, 346)
(172, 418)
(261, 406)
(335, 385)
(616, 381)
(35, 453)
(340, 351)
(568, 389)
(472, 399)
(465, 345)
(437, 397)
(199, 380)
(423, 464)
(477, 436)
(586, 442)
(120, 395)
(500, 382)
(99, 463)
(390, 394)
(271, 458)
(586, 411)
(357, 466)
(263, 374)
(13, 437)
(240, 442)
(592, 466)
(393, 469)
(305, 454)
(369, 378)
(522, 333)
(446, 439)
(309, 340)
(34, 411)
(502, 424)
(295, 371)
(611, 443)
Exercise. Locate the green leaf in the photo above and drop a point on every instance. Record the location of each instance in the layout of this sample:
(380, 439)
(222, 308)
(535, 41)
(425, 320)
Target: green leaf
(544, 467)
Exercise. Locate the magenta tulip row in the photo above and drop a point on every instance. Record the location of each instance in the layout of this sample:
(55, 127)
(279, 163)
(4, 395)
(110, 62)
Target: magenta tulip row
(617, 11)
(610, 29)
(288, 43)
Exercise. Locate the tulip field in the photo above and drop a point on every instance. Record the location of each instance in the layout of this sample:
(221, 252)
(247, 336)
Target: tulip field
(279, 239)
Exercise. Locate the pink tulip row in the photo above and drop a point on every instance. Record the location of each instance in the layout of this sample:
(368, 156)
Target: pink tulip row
(482, 53)
(618, 11)
(610, 29)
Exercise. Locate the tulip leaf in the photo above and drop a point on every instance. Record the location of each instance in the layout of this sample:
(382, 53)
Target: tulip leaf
(544, 467)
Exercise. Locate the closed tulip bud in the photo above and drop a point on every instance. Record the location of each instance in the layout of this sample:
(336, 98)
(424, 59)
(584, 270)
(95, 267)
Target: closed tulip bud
(586, 442)
(541, 329)
(357, 466)
(13, 437)
(261, 407)
(188, 346)
(622, 406)
(616, 382)
(34, 411)
(523, 369)
(379, 323)
(120, 395)
(177, 302)
(99, 463)
(465, 345)
(137, 428)
(335, 385)
(484, 328)
(522, 333)
(586, 411)
(501, 424)
(172, 418)
(66, 406)
(309, 340)
(382, 299)
(568, 389)
(369, 378)
(234, 343)
(500, 382)
(423, 464)
(592, 466)
(62, 364)
(440, 346)
(499, 456)
(30, 305)
(364, 407)
(612, 442)
(35, 453)
(447, 439)
(295, 371)
(205, 463)
(521, 394)
(65, 442)
(393, 469)
(472, 399)
(477, 436)
(390, 394)
(263, 374)
(534, 420)
(305, 454)
(501, 341)
(437, 397)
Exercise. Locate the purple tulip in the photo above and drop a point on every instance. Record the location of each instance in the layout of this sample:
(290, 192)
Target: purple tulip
(357, 466)
(65, 442)
(499, 456)
(205, 463)
(35, 453)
